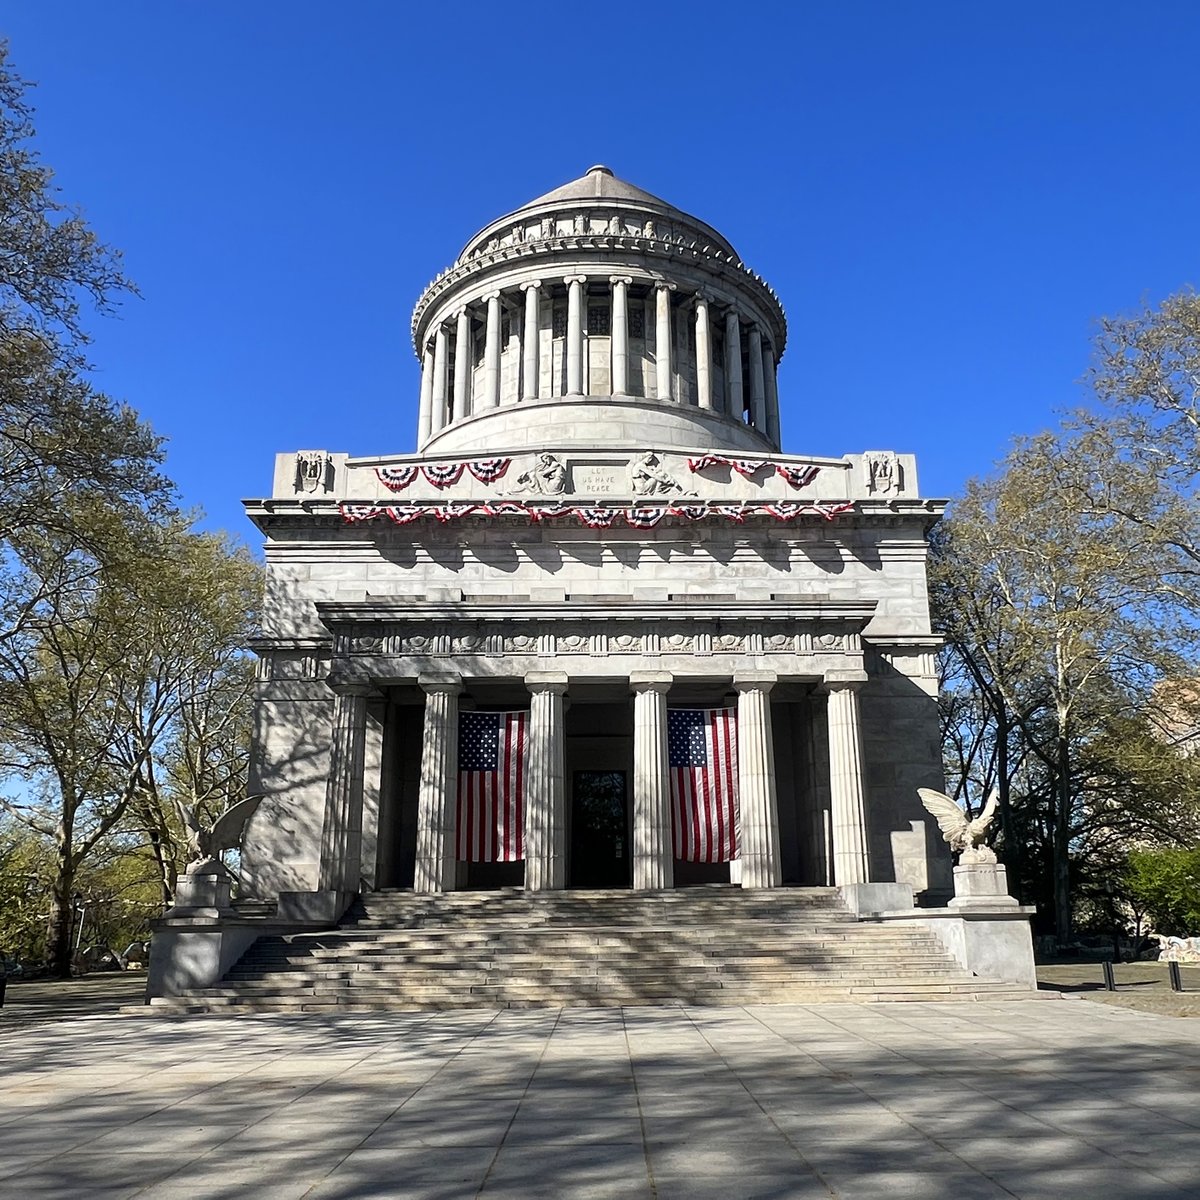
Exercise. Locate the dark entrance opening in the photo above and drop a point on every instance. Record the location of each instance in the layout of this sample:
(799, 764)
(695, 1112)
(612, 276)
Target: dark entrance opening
(600, 852)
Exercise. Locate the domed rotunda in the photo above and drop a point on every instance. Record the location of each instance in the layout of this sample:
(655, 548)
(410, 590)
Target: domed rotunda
(598, 311)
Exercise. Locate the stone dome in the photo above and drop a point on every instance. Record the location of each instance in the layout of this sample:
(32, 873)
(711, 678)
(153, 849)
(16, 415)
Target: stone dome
(598, 314)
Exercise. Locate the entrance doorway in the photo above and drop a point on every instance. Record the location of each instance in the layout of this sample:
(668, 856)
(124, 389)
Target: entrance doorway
(599, 829)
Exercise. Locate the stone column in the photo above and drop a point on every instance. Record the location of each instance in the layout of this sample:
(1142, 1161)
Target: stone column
(491, 353)
(758, 811)
(768, 357)
(653, 854)
(575, 334)
(341, 834)
(758, 391)
(531, 339)
(425, 411)
(733, 365)
(662, 338)
(438, 794)
(847, 806)
(703, 353)
(620, 334)
(462, 365)
(441, 378)
(545, 789)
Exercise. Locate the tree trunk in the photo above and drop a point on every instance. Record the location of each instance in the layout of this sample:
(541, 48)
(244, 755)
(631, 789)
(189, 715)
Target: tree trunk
(1012, 849)
(1061, 836)
(62, 914)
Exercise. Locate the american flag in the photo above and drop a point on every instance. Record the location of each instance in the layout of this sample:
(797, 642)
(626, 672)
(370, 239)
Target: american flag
(493, 752)
(702, 754)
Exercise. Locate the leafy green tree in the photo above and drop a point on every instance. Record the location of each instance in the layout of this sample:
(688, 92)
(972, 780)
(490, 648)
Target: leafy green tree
(1164, 882)
(1060, 609)
(66, 450)
(115, 685)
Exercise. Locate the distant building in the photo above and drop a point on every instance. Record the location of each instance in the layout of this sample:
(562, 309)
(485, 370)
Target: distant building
(598, 531)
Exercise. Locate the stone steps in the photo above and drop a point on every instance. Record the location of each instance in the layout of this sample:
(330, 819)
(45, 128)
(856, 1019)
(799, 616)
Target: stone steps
(701, 946)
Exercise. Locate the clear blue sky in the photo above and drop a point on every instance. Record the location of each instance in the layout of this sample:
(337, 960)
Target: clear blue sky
(944, 195)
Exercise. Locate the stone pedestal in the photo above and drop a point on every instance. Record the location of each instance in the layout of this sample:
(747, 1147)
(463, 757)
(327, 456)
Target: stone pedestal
(871, 899)
(981, 885)
(984, 927)
(203, 892)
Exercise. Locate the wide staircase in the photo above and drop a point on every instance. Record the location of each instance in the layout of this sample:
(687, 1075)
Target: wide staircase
(704, 946)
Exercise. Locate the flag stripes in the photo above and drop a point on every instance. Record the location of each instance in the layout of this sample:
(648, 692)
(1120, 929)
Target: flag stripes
(493, 761)
(702, 758)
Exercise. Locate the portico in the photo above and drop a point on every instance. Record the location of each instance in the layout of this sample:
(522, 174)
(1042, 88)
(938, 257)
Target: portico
(633, 669)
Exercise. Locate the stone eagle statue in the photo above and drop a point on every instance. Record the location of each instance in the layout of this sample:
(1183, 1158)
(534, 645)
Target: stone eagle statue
(962, 832)
(205, 844)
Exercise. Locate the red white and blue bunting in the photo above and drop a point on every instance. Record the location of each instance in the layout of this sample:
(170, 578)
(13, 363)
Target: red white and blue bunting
(396, 479)
(593, 516)
(442, 475)
(797, 476)
(488, 470)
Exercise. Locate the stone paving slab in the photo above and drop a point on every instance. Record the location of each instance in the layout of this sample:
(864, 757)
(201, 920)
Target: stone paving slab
(947, 1101)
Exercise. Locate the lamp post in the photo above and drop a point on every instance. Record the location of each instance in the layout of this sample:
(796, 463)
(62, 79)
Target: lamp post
(79, 907)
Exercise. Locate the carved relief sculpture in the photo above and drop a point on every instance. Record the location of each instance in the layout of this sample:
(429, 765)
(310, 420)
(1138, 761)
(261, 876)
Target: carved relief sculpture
(547, 477)
(648, 477)
(314, 471)
(883, 472)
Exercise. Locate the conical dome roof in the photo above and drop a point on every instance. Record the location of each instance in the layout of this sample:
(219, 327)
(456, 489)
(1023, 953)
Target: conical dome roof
(599, 187)
(600, 183)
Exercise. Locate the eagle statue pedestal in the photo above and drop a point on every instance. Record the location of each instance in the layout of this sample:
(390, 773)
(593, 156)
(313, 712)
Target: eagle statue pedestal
(203, 891)
(981, 885)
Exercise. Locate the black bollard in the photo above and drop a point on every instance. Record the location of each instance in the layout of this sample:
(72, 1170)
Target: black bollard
(1176, 978)
(1110, 981)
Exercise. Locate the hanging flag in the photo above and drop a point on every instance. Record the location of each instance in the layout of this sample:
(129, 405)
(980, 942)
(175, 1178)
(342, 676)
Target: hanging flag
(702, 755)
(493, 760)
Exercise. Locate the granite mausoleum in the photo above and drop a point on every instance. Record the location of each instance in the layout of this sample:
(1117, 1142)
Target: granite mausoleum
(598, 529)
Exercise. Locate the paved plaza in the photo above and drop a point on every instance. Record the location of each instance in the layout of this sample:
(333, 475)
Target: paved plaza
(1039, 1099)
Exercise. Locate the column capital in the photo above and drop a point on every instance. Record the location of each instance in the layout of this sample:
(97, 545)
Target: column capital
(530, 283)
(575, 279)
(627, 280)
(702, 296)
(459, 313)
(490, 296)
(841, 681)
(347, 685)
(754, 681)
(664, 285)
(651, 681)
(731, 312)
(547, 681)
(444, 682)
